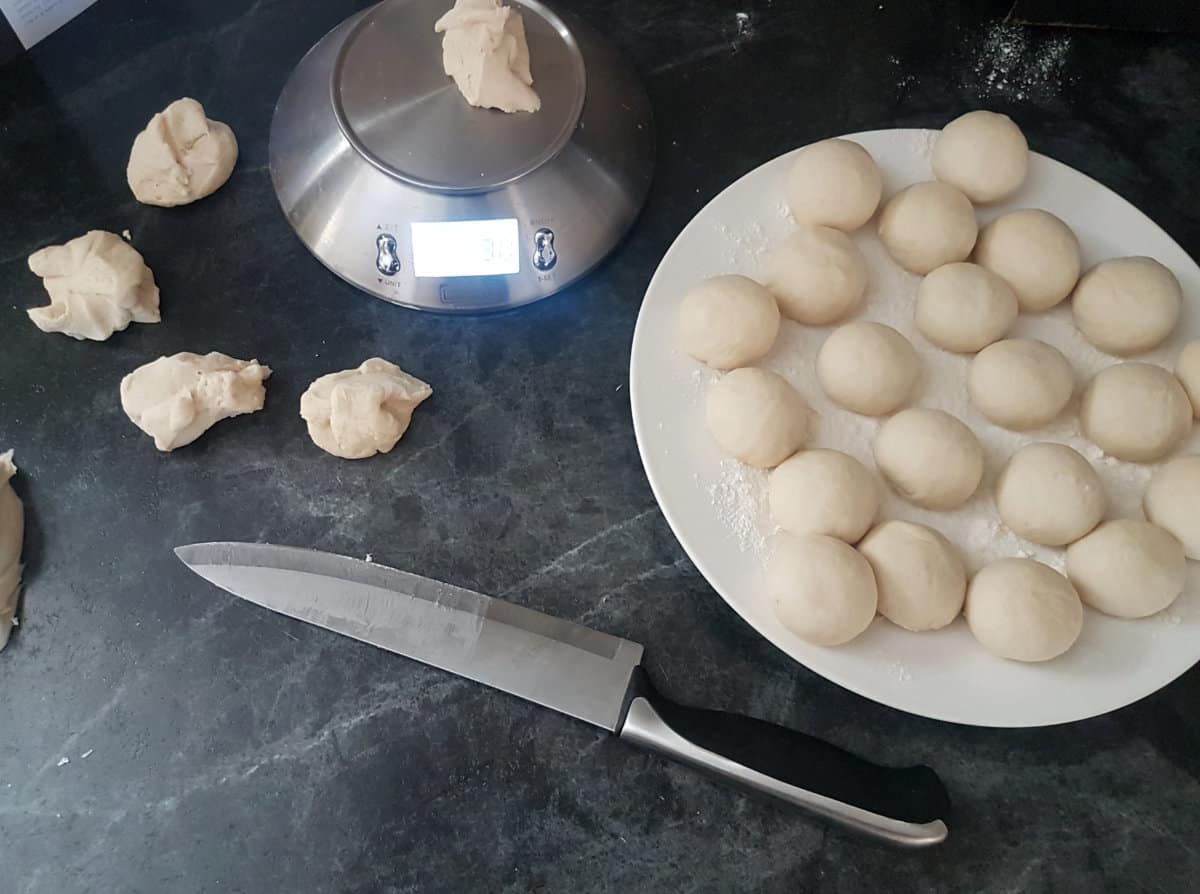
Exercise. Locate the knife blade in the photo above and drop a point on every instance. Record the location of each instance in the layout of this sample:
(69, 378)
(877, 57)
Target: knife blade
(583, 673)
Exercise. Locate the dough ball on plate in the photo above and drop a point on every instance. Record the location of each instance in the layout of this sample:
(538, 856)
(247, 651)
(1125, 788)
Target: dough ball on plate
(1023, 610)
(1035, 252)
(1020, 383)
(982, 153)
(1049, 494)
(868, 368)
(929, 457)
(756, 416)
(1136, 412)
(824, 492)
(1128, 568)
(818, 275)
(963, 307)
(1187, 369)
(728, 321)
(822, 589)
(920, 578)
(927, 225)
(1127, 305)
(1172, 501)
(834, 183)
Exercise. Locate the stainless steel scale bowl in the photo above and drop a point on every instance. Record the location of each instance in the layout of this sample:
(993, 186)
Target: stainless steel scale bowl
(402, 189)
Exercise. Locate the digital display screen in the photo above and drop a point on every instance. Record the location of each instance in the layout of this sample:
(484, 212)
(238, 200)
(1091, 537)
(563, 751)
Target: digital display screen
(466, 248)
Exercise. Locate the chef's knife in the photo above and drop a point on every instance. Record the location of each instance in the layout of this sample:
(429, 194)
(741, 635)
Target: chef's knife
(580, 672)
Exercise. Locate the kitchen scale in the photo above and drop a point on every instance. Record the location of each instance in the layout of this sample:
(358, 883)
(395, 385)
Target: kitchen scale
(404, 190)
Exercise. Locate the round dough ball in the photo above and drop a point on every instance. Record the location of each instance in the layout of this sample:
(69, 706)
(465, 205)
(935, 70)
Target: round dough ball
(818, 275)
(822, 589)
(927, 225)
(1127, 305)
(824, 492)
(1035, 253)
(1187, 369)
(920, 578)
(1020, 383)
(929, 457)
(756, 416)
(1049, 494)
(1128, 568)
(728, 321)
(868, 368)
(1023, 610)
(1172, 501)
(982, 153)
(963, 307)
(1135, 411)
(834, 183)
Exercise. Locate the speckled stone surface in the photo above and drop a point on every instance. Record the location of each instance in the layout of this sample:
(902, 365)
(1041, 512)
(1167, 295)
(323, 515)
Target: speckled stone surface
(217, 748)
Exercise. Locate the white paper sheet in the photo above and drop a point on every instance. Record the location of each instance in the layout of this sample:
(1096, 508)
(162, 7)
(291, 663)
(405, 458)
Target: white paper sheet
(33, 20)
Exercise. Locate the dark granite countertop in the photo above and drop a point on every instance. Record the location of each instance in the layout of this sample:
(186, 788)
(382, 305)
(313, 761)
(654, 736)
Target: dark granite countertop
(217, 748)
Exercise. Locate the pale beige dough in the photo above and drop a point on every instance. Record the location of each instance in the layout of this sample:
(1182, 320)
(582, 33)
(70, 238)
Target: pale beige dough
(982, 153)
(1020, 383)
(868, 368)
(1137, 412)
(12, 535)
(1128, 568)
(818, 275)
(1127, 305)
(1049, 494)
(963, 307)
(755, 416)
(484, 49)
(359, 412)
(728, 321)
(929, 458)
(1187, 369)
(927, 225)
(1172, 501)
(920, 577)
(1035, 252)
(1023, 610)
(823, 492)
(834, 183)
(822, 589)
(181, 156)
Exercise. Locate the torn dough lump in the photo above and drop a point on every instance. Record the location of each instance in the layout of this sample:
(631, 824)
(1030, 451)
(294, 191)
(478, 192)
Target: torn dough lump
(12, 534)
(181, 156)
(177, 399)
(98, 284)
(485, 51)
(360, 412)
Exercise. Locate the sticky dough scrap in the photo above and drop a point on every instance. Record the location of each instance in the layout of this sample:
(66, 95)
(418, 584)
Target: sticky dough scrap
(12, 534)
(98, 284)
(177, 399)
(181, 156)
(360, 412)
(485, 51)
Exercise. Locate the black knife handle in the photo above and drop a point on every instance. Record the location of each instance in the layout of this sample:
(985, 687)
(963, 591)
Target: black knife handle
(907, 806)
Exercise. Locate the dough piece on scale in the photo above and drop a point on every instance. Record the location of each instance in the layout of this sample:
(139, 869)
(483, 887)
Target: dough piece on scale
(177, 399)
(98, 284)
(484, 49)
(181, 156)
(12, 534)
(357, 413)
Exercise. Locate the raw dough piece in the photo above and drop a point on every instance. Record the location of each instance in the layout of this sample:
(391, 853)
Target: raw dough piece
(181, 156)
(824, 492)
(834, 183)
(1187, 369)
(927, 225)
(728, 321)
(1049, 494)
(360, 412)
(982, 153)
(964, 307)
(98, 284)
(1135, 411)
(1023, 610)
(755, 416)
(868, 368)
(818, 274)
(823, 591)
(921, 579)
(1020, 383)
(1035, 252)
(1127, 305)
(485, 51)
(12, 534)
(1128, 568)
(177, 399)
(1172, 501)
(929, 457)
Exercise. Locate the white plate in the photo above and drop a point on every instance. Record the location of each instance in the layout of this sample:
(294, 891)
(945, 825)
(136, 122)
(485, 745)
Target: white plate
(716, 507)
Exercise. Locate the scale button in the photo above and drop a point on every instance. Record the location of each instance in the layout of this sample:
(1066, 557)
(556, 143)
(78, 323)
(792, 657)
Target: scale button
(387, 258)
(544, 254)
